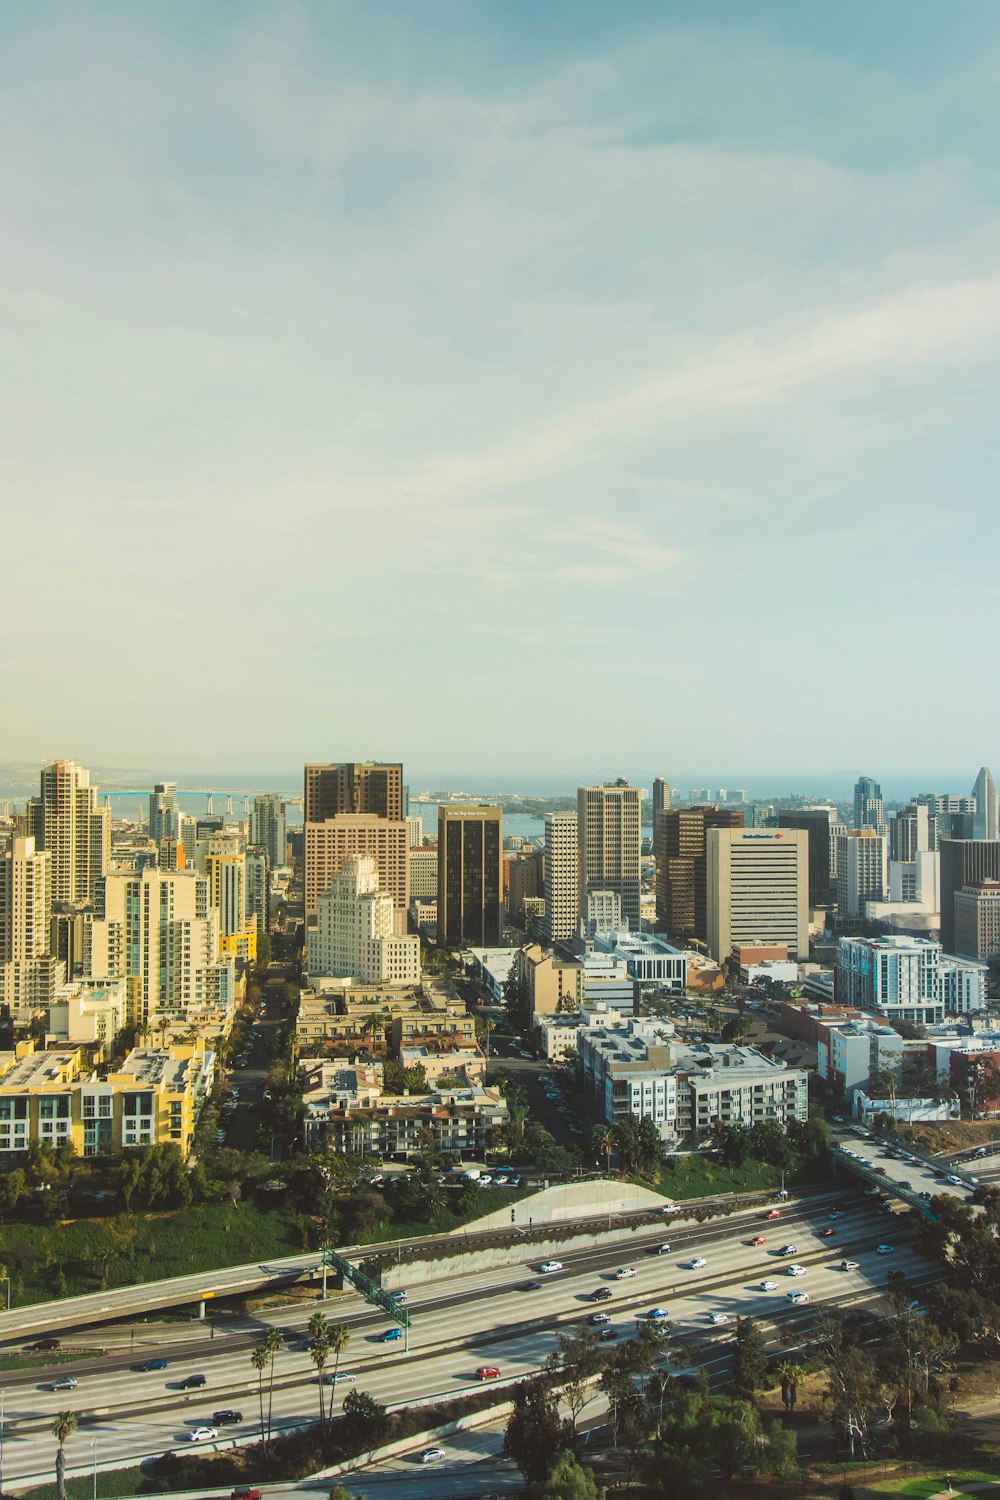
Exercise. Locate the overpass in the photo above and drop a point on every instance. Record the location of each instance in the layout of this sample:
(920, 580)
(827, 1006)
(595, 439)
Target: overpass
(897, 1170)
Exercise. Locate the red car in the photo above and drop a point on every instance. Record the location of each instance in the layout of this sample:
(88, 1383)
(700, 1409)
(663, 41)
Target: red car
(825, 1234)
(488, 1372)
(758, 1239)
(775, 1213)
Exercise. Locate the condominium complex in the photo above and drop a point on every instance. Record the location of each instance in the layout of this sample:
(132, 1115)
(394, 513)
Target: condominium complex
(68, 824)
(639, 1070)
(153, 1097)
(562, 877)
(758, 889)
(157, 931)
(898, 977)
(25, 901)
(609, 842)
(164, 812)
(355, 934)
(470, 876)
(347, 1110)
(267, 827)
(862, 869)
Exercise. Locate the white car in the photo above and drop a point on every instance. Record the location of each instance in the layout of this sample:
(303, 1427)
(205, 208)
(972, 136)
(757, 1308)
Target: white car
(796, 1271)
(698, 1264)
(849, 1265)
(663, 1250)
(432, 1455)
(883, 1250)
(769, 1286)
(798, 1296)
(344, 1378)
(788, 1250)
(486, 1179)
(548, 1266)
(624, 1272)
(718, 1318)
(203, 1435)
(670, 1208)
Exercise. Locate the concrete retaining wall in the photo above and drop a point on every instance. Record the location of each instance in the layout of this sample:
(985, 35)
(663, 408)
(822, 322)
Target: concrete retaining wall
(570, 1200)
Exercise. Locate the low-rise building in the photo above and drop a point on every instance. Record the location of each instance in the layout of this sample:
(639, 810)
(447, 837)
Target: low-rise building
(461, 1065)
(154, 1097)
(491, 968)
(647, 958)
(340, 1016)
(559, 1033)
(639, 1070)
(87, 1013)
(360, 1120)
(849, 1051)
(912, 1111)
(549, 982)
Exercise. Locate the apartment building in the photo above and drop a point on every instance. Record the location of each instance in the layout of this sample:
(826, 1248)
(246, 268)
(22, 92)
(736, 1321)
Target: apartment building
(898, 977)
(562, 877)
(154, 1096)
(609, 847)
(68, 824)
(342, 1016)
(460, 1121)
(549, 982)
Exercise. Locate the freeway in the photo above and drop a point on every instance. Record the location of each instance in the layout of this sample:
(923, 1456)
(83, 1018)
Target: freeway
(458, 1325)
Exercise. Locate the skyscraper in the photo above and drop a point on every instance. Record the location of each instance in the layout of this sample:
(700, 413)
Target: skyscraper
(164, 812)
(816, 822)
(470, 876)
(986, 819)
(609, 840)
(758, 889)
(267, 826)
(964, 862)
(679, 849)
(562, 879)
(661, 796)
(355, 808)
(353, 787)
(72, 829)
(869, 809)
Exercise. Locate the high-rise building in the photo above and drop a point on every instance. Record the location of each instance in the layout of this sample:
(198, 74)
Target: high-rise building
(562, 877)
(267, 827)
(661, 795)
(523, 873)
(258, 867)
(862, 870)
(609, 841)
(227, 883)
(964, 862)
(164, 812)
(355, 808)
(25, 901)
(328, 844)
(896, 976)
(679, 849)
(353, 787)
(470, 876)
(815, 821)
(74, 831)
(977, 920)
(758, 889)
(355, 934)
(158, 931)
(869, 809)
(986, 819)
(912, 831)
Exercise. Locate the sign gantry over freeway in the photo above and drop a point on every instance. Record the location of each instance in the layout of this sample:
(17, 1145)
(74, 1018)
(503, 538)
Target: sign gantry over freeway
(369, 1289)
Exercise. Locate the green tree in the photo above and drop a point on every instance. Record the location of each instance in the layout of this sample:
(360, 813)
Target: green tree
(63, 1426)
(782, 1452)
(578, 1356)
(749, 1358)
(735, 1438)
(339, 1493)
(602, 1139)
(365, 1419)
(566, 1480)
(534, 1431)
(13, 1186)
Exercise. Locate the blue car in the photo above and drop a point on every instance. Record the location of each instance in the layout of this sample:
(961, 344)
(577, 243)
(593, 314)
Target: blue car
(153, 1364)
(390, 1334)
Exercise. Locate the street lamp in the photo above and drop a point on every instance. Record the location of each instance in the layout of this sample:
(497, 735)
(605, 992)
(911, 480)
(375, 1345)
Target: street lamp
(3, 1395)
(93, 1444)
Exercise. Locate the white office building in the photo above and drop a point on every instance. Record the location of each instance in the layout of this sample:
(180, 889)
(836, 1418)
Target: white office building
(355, 933)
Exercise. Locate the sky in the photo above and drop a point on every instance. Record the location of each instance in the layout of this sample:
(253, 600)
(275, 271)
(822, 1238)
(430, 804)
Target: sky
(500, 386)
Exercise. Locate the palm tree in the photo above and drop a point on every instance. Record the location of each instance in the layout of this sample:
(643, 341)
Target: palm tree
(318, 1326)
(604, 1141)
(319, 1353)
(259, 1359)
(272, 1343)
(63, 1426)
(337, 1335)
(791, 1375)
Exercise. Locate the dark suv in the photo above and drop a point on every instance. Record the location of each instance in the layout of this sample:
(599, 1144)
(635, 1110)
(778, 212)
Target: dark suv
(602, 1294)
(191, 1382)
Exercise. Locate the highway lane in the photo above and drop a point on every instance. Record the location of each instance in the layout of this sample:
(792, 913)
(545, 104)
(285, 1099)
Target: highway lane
(923, 1178)
(138, 1415)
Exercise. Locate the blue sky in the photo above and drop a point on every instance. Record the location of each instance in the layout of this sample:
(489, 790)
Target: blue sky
(500, 385)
